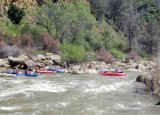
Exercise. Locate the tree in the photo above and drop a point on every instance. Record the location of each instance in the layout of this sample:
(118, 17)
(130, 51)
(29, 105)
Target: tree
(131, 25)
(15, 14)
(152, 36)
(65, 21)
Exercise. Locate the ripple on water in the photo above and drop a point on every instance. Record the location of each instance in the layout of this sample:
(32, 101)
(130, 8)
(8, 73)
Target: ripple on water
(104, 88)
(37, 86)
(9, 108)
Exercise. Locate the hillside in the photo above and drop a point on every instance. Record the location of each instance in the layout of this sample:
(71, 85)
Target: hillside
(28, 4)
(114, 29)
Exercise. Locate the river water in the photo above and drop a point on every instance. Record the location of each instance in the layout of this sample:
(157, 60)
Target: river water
(65, 94)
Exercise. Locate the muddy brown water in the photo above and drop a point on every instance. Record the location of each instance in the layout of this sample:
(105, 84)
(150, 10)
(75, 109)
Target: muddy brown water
(65, 94)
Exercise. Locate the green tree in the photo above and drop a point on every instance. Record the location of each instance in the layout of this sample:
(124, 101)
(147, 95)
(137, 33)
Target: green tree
(73, 52)
(66, 21)
(15, 14)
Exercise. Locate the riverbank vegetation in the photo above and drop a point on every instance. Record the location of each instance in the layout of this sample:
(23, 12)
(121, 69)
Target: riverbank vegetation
(79, 30)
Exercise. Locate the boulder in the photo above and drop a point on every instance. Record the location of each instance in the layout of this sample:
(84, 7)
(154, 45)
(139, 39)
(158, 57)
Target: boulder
(2, 63)
(34, 58)
(120, 64)
(48, 62)
(142, 67)
(24, 57)
(13, 62)
(133, 70)
(76, 67)
(141, 77)
(127, 66)
(53, 57)
(90, 71)
(18, 59)
(30, 63)
(148, 82)
(77, 72)
(40, 57)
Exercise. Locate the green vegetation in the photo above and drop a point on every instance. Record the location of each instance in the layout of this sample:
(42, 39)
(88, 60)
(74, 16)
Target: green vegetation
(117, 53)
(73, 52)
(73, 29)
(15, 14)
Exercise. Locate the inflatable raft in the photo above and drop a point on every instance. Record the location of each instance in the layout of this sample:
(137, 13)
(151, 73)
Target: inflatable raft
(113, 74)
(58, 70)
(28, 75)
(46, 71)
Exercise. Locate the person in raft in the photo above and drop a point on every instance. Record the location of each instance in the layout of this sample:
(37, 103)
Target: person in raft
(118, 70)
(16, 70)
(90, 66)
(26, 71)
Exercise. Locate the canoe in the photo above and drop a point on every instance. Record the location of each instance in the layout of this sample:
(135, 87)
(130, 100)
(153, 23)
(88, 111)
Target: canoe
(46, 71)
(28, 75)
(113, 74)
(58, 70)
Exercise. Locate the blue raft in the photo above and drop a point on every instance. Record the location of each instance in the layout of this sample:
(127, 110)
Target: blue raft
(24, 75)
(58, 70)
(28, 75)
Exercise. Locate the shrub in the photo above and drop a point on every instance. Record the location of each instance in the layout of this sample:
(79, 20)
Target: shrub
(27, 40)
(15, 14)
(48, 43)
(6, 51)
(105, 56)
(9, 39)
(73, 52)
(34, 30)
(134, 55)
(144, 54)
(116, 53)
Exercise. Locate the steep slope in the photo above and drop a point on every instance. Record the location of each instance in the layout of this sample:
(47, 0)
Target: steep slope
(29, 5)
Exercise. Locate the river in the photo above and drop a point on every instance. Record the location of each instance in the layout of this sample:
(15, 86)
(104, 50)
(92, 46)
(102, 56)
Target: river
(65, 94)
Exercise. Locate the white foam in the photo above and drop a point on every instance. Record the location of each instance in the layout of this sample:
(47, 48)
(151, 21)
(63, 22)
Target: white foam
(47, 87)
(37, 86)
(9, 108)
(94, 109)
(104, 88)
(119, 106)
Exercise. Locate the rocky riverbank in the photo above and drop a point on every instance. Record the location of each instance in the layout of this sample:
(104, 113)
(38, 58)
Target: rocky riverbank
(51, 60)
(151, 81)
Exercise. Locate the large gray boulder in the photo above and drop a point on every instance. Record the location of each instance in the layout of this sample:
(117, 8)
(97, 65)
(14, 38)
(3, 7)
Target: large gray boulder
(2, 62)
(53, 57)
(77, 72)
(142, 67)
(16, 60)
(90, 71)
(141, 77)
(76, 67)
(40, 57)
(30, 63)
(24, 57)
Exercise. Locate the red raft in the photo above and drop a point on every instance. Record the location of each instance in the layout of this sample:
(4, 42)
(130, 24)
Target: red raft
(46, 71)
(113, 74)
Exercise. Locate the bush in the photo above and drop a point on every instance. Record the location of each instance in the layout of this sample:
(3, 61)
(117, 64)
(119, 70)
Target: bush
(144, 54)
(15, 14)
(116, 53)
(6, 51)
(27, 40)
(73, 52)
(105, 56)
(48, 43)
(34, 30)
